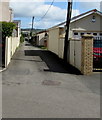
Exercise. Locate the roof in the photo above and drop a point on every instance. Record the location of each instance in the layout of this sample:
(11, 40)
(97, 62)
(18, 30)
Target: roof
(59, 25)
(86, 14)
(80, 16)
(42, 32)
(18, 21)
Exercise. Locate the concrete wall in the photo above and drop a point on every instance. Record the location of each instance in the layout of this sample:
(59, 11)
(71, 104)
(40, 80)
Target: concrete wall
(80, 54)
(61, 46)
(5, 12)
(41, 38)
(53, 41)
(56, 45)
(75, 53)
(11, 44)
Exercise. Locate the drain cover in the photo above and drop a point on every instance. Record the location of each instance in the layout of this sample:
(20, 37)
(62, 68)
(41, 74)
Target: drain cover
(50, 82)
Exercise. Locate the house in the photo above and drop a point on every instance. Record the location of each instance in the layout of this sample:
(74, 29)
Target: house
(86, 23)
(18, 29)
(41, 38)
(8, 46)
(6, 13)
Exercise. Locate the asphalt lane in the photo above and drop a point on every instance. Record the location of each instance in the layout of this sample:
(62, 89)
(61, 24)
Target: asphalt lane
(37, 85)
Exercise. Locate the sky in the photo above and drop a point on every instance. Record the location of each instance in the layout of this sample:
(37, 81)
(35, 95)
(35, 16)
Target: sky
(24, 10)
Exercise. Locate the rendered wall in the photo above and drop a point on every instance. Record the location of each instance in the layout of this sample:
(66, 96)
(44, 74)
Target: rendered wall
(5, 12)
(11, 44)
(53, 40)
(75, 53)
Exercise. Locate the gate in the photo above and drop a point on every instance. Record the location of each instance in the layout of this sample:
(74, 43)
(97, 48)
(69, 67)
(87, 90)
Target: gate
(97, 53)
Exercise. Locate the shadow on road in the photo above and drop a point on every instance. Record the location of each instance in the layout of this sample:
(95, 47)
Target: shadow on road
(27, 44)
(26, 60)
(54, 63)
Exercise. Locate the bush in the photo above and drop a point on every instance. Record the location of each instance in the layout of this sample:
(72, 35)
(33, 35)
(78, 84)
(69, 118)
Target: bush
(22, 38)
(6, 28)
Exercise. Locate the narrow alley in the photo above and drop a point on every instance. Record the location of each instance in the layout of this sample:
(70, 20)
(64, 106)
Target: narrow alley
(36, 85)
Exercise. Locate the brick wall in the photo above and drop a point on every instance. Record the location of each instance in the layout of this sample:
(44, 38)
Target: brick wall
(87, 55)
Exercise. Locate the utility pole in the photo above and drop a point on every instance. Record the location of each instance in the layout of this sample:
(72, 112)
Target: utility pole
(32, 26)
(32, 22)
(66, 43)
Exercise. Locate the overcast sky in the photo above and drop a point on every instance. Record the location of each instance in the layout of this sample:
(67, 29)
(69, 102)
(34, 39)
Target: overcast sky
(24, 11)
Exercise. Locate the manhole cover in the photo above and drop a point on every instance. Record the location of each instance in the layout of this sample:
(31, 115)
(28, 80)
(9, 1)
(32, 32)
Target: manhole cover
(50, 82)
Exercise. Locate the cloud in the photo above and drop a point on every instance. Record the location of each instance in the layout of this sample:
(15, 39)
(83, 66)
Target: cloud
(28, 9)
(75, 12)
(90, 5)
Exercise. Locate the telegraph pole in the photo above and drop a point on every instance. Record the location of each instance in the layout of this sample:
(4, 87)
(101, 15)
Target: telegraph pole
(32, 22)
(32, 25)
(66, 43)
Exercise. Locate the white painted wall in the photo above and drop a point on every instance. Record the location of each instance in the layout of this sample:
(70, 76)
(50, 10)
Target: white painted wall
(15, 43)
(41, 38)
(75, 53)
(53, 40)
(56, 45)
(8, 53)
(61, 47)
(11, 44)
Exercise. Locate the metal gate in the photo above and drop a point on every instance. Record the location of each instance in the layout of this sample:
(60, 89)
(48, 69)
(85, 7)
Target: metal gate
(97, 53)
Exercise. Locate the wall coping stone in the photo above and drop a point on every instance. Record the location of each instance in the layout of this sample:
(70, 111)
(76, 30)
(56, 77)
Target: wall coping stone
(87, 36)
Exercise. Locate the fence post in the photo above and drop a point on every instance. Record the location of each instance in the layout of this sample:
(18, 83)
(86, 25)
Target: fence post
(87, 55)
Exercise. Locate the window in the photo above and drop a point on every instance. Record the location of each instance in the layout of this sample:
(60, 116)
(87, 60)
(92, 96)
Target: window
(82, 34)
(89, 33)
(100, 34)
(95, 34)
(93, 19)
(75, 33)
